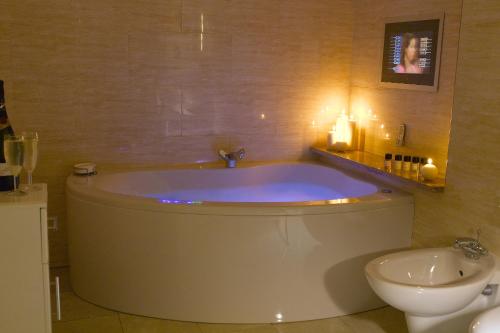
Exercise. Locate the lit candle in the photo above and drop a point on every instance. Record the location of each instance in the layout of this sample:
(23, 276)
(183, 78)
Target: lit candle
(330, 140)
(353, 127)
(343, 133)
(429, 171)
(340, 138)
(341, 146)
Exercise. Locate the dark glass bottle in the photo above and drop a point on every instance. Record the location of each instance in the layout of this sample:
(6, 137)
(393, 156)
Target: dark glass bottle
(6, 182)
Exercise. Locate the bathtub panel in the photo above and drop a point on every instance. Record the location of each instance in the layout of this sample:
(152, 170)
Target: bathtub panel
(230, 268)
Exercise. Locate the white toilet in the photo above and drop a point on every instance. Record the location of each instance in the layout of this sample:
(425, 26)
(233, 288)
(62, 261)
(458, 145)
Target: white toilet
(486, 322)
(440, 290)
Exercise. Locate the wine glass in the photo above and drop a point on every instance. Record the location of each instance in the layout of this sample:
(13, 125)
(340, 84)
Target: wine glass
(13, 148)
(30, 141)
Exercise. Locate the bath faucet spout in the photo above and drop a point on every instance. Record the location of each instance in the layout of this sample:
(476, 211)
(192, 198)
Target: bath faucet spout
(232, 158)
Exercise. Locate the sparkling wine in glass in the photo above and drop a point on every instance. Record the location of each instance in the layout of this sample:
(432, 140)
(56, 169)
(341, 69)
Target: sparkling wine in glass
(13, 148)
(30, 140)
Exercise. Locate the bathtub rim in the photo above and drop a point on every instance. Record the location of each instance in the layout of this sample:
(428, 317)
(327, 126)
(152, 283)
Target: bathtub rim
(90, 192)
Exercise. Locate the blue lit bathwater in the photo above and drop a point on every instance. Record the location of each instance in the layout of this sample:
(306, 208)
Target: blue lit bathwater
(272, 192)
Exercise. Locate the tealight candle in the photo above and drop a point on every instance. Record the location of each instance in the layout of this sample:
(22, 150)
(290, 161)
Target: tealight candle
(340, 146)
(330, 140)
(332, 144)
(340, 137)
(429, 171)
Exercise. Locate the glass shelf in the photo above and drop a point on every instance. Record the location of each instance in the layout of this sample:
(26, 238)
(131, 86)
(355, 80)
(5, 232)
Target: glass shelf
(372, 162)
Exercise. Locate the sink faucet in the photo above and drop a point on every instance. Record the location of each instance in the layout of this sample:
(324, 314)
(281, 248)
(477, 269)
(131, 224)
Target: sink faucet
(471, 247)
(232, 158)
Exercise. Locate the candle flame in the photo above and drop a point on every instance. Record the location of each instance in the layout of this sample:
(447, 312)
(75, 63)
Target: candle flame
(342, 129)
(429, 161)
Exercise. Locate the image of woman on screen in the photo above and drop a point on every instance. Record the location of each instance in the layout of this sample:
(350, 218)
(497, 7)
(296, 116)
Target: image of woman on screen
(410, 55)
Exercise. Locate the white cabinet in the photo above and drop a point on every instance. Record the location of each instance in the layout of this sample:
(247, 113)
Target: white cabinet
(24, 264)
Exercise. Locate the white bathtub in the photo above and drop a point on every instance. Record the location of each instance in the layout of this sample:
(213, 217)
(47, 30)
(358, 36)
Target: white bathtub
(268, 243)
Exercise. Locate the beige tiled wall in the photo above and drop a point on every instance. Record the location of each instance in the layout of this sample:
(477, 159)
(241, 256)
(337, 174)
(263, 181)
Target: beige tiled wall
(471, 199)
(426, 114)
(472, 196)
(115, 81)
(127, 82)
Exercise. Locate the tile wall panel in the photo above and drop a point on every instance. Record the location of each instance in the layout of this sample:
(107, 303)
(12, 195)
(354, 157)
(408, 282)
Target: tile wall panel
(144, 82)
(469, 86)
(426, 114)
(472, 197)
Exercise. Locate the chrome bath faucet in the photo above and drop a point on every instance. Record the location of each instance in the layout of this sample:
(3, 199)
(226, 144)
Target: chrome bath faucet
(232, 158)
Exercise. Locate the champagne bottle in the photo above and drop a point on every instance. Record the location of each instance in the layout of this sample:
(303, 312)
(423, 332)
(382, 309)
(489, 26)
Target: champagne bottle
(6, 182)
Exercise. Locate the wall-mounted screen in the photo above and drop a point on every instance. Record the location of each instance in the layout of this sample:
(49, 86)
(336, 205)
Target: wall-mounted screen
(411, 53)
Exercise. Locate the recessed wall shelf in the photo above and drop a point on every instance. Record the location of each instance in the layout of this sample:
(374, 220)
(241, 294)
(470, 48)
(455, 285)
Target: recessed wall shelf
(375, 164)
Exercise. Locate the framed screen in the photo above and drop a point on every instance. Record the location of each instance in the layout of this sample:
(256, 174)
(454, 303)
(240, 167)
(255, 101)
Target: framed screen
(411, 54)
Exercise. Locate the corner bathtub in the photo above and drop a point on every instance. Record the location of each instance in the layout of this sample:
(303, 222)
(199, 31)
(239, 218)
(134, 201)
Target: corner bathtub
(260, 244)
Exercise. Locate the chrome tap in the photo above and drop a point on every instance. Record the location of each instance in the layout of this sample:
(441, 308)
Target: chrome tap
(232, 158)
(471, 247)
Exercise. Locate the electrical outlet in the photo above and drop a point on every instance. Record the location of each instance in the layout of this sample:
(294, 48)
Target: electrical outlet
(53, 223)
(400, 139)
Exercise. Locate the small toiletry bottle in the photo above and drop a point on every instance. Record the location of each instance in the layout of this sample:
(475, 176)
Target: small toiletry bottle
(415, 161)
(423, 161)
(397, 162)
(407, 163)
(387, 162)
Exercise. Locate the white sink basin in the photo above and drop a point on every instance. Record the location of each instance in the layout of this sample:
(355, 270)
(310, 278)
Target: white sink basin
(487, 322)
(429, 282)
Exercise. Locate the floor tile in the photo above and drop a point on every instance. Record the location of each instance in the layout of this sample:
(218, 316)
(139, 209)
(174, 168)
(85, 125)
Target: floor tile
(74, 308)
(81, 316)
(233, 328)
(139, 324)
(385, 320)
(331, 325)
(107, 324)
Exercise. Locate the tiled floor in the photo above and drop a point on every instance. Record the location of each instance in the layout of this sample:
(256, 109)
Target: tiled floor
(79, 316)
